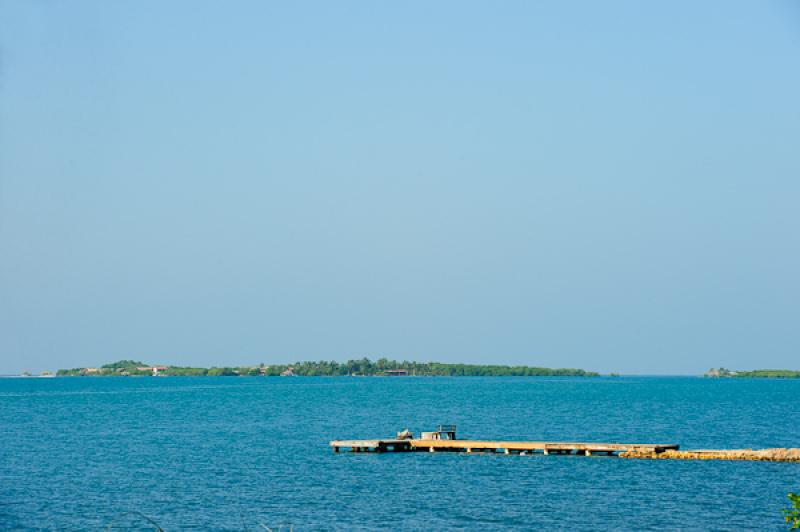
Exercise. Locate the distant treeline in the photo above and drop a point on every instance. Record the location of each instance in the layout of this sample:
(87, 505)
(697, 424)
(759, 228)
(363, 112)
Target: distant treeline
(769, 374)
(365, 367)
(755, 374)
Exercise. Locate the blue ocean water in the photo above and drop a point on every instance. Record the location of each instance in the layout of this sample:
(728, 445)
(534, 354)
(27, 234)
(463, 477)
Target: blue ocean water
(250, 453)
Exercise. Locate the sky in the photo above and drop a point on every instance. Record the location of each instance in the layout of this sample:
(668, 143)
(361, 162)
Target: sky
(613, 186)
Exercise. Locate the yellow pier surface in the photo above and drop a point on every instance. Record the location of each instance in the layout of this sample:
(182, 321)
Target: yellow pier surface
(542, 446)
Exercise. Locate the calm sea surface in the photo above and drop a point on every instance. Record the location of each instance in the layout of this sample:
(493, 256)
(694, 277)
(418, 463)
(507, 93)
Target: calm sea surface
(249, 453)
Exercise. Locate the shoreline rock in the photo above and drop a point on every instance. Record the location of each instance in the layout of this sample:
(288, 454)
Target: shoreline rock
(764, 455)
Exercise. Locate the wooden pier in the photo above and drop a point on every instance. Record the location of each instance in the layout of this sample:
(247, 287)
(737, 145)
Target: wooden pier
(444, 440)
(373, 446)
(506, 447)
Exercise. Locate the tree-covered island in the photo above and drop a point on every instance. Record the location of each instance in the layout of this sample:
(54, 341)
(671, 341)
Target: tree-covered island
(753, 374)
(363, 367)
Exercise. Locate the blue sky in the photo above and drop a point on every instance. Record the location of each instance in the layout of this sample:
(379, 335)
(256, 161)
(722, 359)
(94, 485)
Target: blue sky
(613, 186)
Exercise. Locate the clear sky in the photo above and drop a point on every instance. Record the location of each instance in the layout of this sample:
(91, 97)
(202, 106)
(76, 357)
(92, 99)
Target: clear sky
(606, 185)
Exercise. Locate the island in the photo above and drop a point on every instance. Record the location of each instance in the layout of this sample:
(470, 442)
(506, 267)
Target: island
(363, 367)
(753, 374)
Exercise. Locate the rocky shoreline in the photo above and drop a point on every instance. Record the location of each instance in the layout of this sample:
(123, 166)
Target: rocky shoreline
(764, 455)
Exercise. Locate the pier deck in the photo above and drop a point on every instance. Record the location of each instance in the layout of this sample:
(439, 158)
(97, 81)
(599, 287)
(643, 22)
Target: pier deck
(375, 446)
(507, 447)
(444, 440)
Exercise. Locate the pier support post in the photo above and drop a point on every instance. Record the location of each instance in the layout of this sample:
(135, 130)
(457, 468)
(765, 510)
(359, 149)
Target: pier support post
(508, 451)
(588, 452)
(336, 449)
(431, 450)
(469, 449)
(545, 451)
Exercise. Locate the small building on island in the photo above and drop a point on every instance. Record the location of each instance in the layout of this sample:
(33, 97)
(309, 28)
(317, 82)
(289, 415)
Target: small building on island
(396, 373)
(155, 370)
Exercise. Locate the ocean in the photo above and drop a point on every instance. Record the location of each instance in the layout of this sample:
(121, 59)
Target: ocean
(252, 453)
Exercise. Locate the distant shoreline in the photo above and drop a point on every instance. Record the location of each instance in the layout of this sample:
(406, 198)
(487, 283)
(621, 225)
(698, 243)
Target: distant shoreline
(352, 368)
(723, 373)
(586, 374)
(368, 368)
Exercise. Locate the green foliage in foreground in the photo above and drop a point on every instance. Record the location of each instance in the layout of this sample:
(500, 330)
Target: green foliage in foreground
(364, 367)
(792, 515)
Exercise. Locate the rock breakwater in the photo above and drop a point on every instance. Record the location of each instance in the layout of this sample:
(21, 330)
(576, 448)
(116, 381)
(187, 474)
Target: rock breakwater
(766, 455)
